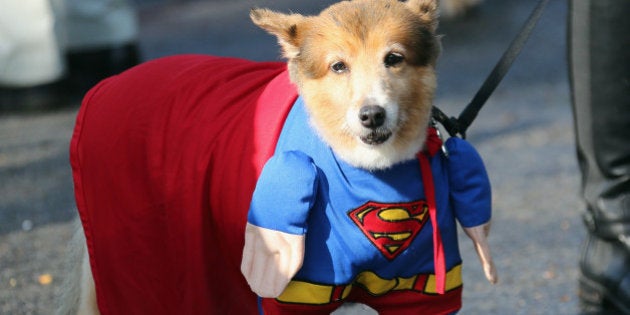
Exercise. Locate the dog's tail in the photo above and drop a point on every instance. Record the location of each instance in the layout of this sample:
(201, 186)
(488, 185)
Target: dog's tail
(77, 295)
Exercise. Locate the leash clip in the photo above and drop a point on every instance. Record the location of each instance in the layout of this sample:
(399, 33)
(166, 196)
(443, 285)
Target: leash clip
(439, 134)
(459, 125)
(450, 124)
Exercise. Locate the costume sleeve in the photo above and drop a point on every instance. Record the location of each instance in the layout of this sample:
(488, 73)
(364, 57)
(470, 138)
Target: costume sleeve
(471, 195)
(284, 194)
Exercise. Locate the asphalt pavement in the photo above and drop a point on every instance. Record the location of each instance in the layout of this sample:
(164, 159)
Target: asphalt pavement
(525, 135)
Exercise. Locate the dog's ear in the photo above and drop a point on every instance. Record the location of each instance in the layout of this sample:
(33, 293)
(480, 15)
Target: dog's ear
(283, 26)
(427, 10)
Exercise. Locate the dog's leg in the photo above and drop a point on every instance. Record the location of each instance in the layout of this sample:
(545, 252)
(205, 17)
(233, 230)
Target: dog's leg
(87, 298)
(78, 295)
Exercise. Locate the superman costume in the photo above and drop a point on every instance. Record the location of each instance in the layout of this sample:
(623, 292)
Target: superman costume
(364, 228)
(165, 160)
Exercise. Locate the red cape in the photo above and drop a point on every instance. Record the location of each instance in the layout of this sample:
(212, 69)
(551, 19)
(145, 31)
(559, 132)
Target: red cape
(165, 158)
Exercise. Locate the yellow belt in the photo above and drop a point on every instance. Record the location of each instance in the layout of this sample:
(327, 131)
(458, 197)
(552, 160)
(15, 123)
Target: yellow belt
(311, 293)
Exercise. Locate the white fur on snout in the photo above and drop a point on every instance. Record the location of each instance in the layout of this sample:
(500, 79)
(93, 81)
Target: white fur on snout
(376, 156)
(376, 95)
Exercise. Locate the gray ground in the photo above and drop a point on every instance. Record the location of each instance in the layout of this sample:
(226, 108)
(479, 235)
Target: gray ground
(525, 135)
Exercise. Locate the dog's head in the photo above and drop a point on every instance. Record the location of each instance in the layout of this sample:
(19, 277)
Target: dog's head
(365, 69)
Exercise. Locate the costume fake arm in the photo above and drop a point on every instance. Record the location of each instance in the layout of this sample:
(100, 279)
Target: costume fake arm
(276, 229)
(472, 199)
(479, 236)
(270, 259)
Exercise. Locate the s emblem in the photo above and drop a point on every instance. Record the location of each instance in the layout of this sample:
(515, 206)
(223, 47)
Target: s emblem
(390, 227)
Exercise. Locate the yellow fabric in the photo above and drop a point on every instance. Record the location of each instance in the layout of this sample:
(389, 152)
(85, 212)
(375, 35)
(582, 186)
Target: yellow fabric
(311, 293)
(453, 280)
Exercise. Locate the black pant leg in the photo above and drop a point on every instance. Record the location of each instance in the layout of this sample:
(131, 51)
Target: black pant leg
(600, 75)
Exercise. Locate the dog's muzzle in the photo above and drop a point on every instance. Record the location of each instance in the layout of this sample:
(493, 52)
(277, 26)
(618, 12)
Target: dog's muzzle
(376, 136)
(373, 117)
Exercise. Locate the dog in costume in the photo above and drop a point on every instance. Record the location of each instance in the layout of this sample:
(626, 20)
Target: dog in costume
(322, 178)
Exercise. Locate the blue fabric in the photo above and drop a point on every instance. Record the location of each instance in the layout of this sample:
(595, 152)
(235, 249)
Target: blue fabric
(305, 188)
(290, 176)
(468, 183)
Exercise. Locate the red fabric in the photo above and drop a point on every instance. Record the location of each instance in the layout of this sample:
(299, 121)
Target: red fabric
(433, 145)
(392, 303)
(410, 302)
(165, 158)
(368, 219)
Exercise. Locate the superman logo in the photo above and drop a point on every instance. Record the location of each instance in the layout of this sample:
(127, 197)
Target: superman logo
(390, 227)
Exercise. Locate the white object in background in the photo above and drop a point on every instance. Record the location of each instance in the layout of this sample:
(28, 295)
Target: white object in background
(29, 50)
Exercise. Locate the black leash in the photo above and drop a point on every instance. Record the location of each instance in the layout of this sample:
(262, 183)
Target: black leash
(459, 125)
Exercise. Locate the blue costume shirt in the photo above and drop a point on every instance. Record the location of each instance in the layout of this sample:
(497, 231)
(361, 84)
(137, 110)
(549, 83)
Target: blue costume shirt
(357, 220)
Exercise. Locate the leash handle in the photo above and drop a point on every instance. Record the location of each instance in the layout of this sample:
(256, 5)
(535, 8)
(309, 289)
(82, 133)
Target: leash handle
(460, 125)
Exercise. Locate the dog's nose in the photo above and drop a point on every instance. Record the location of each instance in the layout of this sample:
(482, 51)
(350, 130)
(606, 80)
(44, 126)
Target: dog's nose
(372, 116)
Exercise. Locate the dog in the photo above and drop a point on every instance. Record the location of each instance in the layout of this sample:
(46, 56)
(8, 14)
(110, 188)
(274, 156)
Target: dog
(211, 185)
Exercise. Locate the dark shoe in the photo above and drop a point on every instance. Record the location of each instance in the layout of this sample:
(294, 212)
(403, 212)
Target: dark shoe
(605, 277)
(88, 67)
(85, 68)
(37, 98)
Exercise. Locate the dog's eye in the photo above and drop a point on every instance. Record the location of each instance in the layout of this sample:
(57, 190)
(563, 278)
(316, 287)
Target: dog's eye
(339, 67)
(393, 59)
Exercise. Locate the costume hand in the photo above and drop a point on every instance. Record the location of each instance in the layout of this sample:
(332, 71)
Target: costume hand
(270, 259)
(479, 236)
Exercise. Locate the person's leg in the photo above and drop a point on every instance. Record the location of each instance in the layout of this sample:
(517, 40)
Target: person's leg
(53, 51)
(31, 62)
(600, 77)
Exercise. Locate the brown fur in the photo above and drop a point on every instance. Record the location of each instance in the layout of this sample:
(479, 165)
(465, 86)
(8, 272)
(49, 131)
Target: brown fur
(360, 34)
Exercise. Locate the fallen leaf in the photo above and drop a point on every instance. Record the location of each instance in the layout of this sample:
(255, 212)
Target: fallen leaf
(549, 274)
(45, 279)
